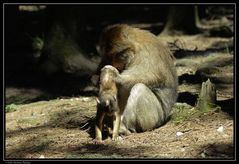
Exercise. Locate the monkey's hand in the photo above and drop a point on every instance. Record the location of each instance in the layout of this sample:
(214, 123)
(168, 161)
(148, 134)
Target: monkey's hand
(110, 67)
(125, 80)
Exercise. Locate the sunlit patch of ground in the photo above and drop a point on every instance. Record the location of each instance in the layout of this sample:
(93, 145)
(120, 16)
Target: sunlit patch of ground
(59, 129)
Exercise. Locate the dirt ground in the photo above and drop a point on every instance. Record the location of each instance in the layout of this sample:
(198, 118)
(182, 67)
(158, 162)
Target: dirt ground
(62, 128)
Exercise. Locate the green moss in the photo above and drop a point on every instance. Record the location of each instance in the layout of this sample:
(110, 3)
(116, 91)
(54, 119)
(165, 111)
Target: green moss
(16, 100)
(205, 106)
(11, 108)
(31, 120)
(182, 113)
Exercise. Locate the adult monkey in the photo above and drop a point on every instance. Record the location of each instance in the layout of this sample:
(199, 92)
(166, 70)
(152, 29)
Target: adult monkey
(147, 82)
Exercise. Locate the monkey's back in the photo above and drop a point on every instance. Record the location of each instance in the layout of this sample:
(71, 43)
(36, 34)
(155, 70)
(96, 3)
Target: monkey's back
(148, 82)
(159, 63)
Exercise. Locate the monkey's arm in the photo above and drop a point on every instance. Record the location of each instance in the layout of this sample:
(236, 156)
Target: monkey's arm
(99, 125)
(130, 77)
(116, 125)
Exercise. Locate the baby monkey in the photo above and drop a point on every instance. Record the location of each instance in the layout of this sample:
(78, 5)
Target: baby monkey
(108, 112)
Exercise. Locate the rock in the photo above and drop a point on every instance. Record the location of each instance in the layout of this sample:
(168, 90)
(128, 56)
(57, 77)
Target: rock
(179, 134)
(220, 129)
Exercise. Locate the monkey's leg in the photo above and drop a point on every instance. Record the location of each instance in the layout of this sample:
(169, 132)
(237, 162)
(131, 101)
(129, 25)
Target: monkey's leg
(99, 125)
(116, 125)
(143, 110)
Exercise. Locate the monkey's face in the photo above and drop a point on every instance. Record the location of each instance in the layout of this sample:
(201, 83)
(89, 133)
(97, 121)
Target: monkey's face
(115, 48)
(118, 62)
(107, 104)
(118, 59)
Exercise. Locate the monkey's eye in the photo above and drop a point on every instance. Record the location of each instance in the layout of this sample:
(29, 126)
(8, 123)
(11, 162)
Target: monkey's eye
(122, 55)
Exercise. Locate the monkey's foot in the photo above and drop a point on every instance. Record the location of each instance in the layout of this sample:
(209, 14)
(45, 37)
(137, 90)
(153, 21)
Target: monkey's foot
(117, 138)
(124, 131)
(97, 141)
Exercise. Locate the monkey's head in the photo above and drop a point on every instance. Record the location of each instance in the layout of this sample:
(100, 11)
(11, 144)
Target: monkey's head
(116, 46)
(107, 103)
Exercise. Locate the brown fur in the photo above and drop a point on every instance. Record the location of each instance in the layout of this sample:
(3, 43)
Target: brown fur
(107, 106)
(141, 59)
